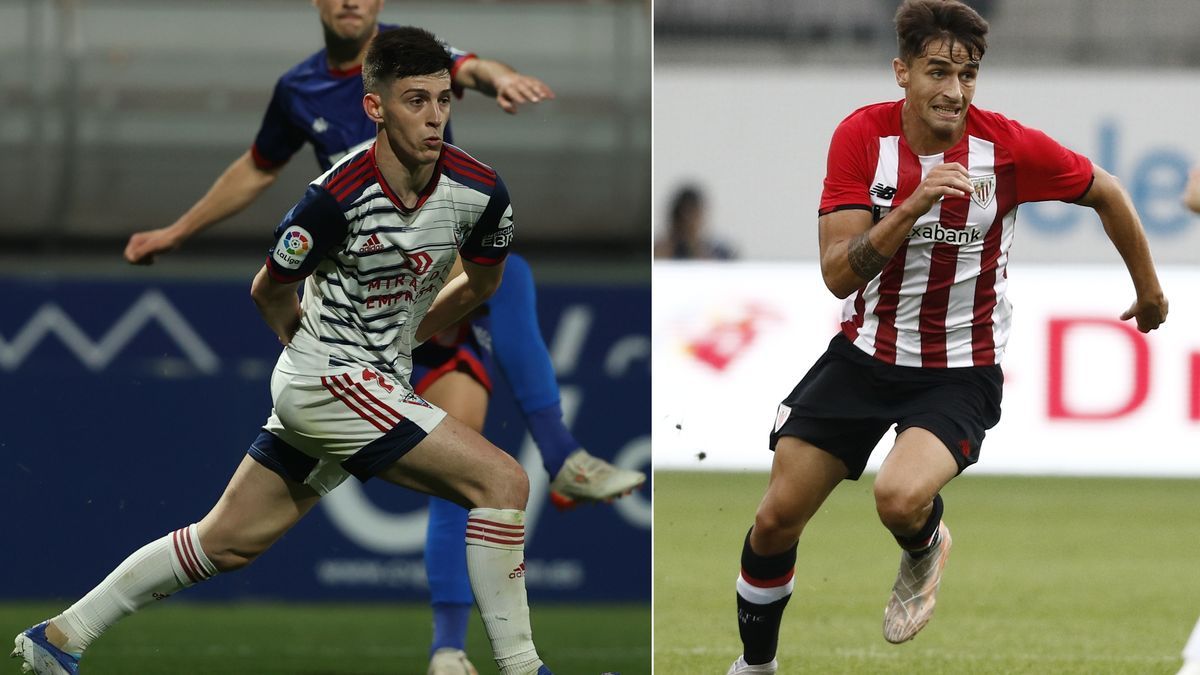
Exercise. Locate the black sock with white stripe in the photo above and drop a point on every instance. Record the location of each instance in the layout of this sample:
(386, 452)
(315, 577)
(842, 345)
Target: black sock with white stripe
(154, 572)
(763, 590)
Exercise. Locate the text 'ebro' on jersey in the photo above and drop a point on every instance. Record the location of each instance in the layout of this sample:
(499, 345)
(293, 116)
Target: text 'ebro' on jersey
(940, 301)
(373, 266)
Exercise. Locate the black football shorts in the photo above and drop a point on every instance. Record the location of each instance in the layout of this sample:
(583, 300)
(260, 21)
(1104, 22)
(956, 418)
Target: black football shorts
(848, 400)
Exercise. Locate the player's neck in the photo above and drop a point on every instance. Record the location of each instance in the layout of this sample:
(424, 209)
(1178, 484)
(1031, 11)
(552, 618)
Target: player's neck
(407, 178)
(343, 54)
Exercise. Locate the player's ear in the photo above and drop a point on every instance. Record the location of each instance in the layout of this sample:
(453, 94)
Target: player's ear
(373, 106)
(901, 70)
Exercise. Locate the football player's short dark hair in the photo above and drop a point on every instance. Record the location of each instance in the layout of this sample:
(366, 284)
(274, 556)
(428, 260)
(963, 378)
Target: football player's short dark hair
(921, 22)
(403, 52)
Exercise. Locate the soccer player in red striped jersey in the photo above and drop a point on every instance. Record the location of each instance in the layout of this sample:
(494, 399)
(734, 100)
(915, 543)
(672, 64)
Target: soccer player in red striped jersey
(916, 220)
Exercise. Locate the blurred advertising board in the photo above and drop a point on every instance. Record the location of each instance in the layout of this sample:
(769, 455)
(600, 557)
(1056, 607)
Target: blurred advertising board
(1084, 393)
(128, 405)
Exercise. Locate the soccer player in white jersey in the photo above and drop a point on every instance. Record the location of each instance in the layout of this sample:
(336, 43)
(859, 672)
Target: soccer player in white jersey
(916, 220)
(373, 240)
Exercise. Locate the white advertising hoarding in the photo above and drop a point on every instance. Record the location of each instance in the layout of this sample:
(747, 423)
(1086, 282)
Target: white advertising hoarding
(1084, 393)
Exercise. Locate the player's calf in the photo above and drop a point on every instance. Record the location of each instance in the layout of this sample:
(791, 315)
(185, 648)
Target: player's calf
(764, 587)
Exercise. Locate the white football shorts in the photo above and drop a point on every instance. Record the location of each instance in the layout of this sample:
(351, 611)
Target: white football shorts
(349, 421)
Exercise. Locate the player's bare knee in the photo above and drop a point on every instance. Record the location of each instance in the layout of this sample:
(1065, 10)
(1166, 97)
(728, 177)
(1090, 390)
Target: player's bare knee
(773, 532)
(900, 508)
(506, 486)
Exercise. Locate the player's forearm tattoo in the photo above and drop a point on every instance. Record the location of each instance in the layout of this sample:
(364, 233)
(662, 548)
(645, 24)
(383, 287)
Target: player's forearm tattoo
(866, 262)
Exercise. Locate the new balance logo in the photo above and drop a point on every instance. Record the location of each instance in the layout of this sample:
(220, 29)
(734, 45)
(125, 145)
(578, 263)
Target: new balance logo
(883, 191)
(372, 245)
(518, 572)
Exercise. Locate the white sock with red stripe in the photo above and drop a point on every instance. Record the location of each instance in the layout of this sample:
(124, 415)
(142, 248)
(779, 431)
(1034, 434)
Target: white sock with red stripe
(153, 572)
(496, 565)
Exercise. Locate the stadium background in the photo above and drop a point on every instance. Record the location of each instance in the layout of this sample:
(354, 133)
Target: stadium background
(1068, 558)
(130, 394)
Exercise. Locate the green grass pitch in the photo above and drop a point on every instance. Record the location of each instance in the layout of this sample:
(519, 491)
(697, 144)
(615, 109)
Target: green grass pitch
(337, 639)
(1047, 575)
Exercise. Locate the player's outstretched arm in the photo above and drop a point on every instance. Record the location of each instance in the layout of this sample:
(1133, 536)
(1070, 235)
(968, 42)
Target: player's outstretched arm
(461, 294)
(1123, 227)
(279, 304)
(510, 87)
(241, 183)
(854, 252)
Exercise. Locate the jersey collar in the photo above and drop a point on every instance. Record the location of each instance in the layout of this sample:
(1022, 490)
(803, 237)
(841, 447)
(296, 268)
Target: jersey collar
(425, 191)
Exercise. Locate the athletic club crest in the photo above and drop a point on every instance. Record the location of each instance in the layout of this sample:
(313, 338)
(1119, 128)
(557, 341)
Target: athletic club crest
(985, 190)
(782, 416)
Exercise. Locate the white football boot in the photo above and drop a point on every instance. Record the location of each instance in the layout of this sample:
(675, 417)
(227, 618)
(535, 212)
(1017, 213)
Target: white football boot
(586, 478)
(915, 592)
(740, 667)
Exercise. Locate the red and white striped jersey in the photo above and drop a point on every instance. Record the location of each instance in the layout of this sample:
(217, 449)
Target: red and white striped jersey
(940, 301)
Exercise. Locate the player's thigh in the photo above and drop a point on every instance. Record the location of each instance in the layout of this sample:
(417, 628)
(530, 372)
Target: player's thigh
(456, 463)
(461, 396)
(257, 507)
(916, 469)
(802, 477)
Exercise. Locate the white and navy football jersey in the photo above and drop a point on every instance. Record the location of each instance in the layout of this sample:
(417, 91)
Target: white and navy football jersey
(373, 266)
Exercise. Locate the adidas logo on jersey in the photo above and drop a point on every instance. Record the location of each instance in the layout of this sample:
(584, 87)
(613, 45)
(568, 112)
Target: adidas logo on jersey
(372, 245)
(518, 572)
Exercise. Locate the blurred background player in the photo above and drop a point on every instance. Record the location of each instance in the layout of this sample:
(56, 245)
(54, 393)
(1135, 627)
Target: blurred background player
(688, 236)
(915, 224)
(312, 103)
(319, 102)
(335, 413)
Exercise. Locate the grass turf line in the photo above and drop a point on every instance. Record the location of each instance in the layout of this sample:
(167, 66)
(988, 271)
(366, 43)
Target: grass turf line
(335, 639)
(1047, 575)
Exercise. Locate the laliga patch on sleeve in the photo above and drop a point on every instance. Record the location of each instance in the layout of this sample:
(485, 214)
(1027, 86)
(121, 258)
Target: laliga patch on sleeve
(293, 247)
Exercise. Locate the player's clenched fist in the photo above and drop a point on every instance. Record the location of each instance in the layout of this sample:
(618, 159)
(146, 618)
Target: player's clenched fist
(944, 180)
(1150, 313)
